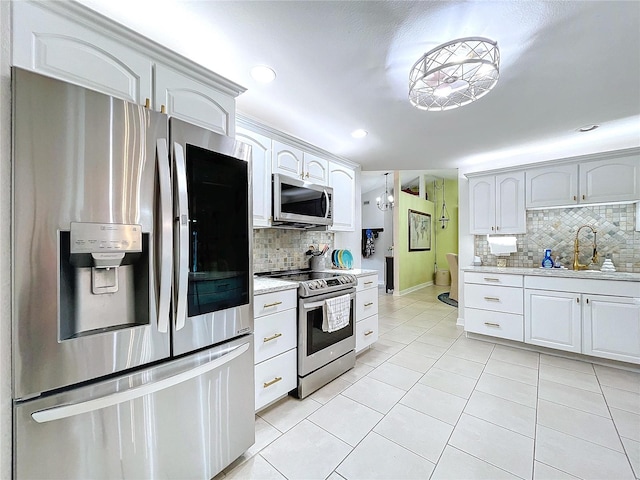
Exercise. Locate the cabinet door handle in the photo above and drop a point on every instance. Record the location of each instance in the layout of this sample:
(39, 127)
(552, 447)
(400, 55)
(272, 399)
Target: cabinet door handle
(497, 228)
(368, 304)
(492, 299)
(492, 229)
(584, 197)
(575, 198)
(368, 283)
(267, 305)
(487, 279)
(587, 301)
(489, 324)
(268, 384)
(578, 300)
(272, 337)
(368, 332)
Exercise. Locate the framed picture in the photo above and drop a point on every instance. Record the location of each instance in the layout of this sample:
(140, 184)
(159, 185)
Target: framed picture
(419, 231)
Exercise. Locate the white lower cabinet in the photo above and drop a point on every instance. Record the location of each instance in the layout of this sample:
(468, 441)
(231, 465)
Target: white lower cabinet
(493, 305)
(366, 313)
(275, 346)
(612, 327)
(553, 319)
(593, 317)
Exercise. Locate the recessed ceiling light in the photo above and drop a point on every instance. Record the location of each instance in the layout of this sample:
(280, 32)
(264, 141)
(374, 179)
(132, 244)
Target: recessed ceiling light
(588, 128)
(263, 74)
(359, 133)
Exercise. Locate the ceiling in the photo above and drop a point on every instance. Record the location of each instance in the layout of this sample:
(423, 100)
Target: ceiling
(343, 65)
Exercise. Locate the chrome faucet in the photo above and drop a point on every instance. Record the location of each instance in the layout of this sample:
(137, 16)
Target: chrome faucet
(576, 250)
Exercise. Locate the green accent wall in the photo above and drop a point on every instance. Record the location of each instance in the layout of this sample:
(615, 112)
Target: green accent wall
(446, 240)
(414, 268)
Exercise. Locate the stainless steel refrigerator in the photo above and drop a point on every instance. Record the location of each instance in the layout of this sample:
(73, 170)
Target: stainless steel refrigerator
(132, 321)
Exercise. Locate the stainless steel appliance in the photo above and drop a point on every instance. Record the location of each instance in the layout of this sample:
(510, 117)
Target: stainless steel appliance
(301, 204)
(113, 375)
(322, 356)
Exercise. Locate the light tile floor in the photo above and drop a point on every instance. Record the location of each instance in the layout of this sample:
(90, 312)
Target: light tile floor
(426, 402)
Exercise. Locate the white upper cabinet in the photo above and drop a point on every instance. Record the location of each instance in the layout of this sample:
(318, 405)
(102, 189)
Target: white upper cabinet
(316, 169)
(261, 170)
(614, 180)
(553, 185)
(193, 101)
(286, 160)
(598, 181)
(55, 46)
(496, 203)
(343, 181)
(295, 163)
(66, 40)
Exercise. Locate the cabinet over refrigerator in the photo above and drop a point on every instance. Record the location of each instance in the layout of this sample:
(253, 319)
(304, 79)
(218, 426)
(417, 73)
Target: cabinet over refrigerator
(132, 321)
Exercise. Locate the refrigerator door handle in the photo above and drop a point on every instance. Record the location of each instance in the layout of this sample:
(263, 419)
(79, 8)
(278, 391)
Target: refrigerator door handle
(166, 263)
(65, 411)
(182, 237)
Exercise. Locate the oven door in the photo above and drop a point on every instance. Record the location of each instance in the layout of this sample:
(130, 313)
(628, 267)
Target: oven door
(315, 347)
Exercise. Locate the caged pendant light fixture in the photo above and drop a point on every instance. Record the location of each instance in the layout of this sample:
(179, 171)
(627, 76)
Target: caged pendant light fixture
(454, 74)
(385, 202)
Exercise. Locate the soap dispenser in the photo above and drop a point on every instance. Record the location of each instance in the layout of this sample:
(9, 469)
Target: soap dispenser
(547, 261)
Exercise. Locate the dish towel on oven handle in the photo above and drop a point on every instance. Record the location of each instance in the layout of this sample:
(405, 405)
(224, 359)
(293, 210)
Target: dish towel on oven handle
(336, 313)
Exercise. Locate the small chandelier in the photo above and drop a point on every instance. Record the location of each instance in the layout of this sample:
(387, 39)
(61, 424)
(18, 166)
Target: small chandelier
(386, 201)
(454, 74)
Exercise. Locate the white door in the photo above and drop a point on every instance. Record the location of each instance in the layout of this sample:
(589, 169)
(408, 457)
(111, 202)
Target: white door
(482, 204)
(553, 319)
(612, 327)
(261, 170)
(510, 211)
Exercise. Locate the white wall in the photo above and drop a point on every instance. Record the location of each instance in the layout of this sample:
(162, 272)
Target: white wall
(373, 217)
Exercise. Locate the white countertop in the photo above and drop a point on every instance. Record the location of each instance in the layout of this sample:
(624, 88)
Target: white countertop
(267, 285)
(557, 272)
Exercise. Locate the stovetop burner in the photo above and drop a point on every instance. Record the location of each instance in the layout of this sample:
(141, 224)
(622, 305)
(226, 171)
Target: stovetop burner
(313, 283)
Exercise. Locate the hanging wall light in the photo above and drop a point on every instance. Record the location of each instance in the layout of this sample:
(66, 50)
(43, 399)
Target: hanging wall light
(454, 74)
(385, 202)
(444, 215)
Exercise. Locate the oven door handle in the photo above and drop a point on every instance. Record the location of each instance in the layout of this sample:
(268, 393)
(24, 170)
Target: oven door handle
(311, 306)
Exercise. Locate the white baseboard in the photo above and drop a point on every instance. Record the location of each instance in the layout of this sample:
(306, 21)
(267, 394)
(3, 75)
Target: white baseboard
(415, 288)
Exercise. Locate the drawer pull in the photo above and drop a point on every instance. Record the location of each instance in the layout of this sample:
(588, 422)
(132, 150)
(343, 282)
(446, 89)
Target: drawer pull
(368, 304)
(492, 299)
(268, 384)
(489, 279)
(489, 324)
(368, 283)
(267, 305)
(368, 332)
(272, 337)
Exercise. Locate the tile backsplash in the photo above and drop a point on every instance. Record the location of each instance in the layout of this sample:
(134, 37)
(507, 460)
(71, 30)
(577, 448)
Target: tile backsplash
(281, 249)
(556, 229)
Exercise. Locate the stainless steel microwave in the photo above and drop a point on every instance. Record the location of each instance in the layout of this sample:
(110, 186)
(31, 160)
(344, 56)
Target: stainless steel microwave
(300, 204)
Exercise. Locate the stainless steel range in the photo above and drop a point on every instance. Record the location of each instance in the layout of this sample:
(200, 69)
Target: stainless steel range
(322, 356)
